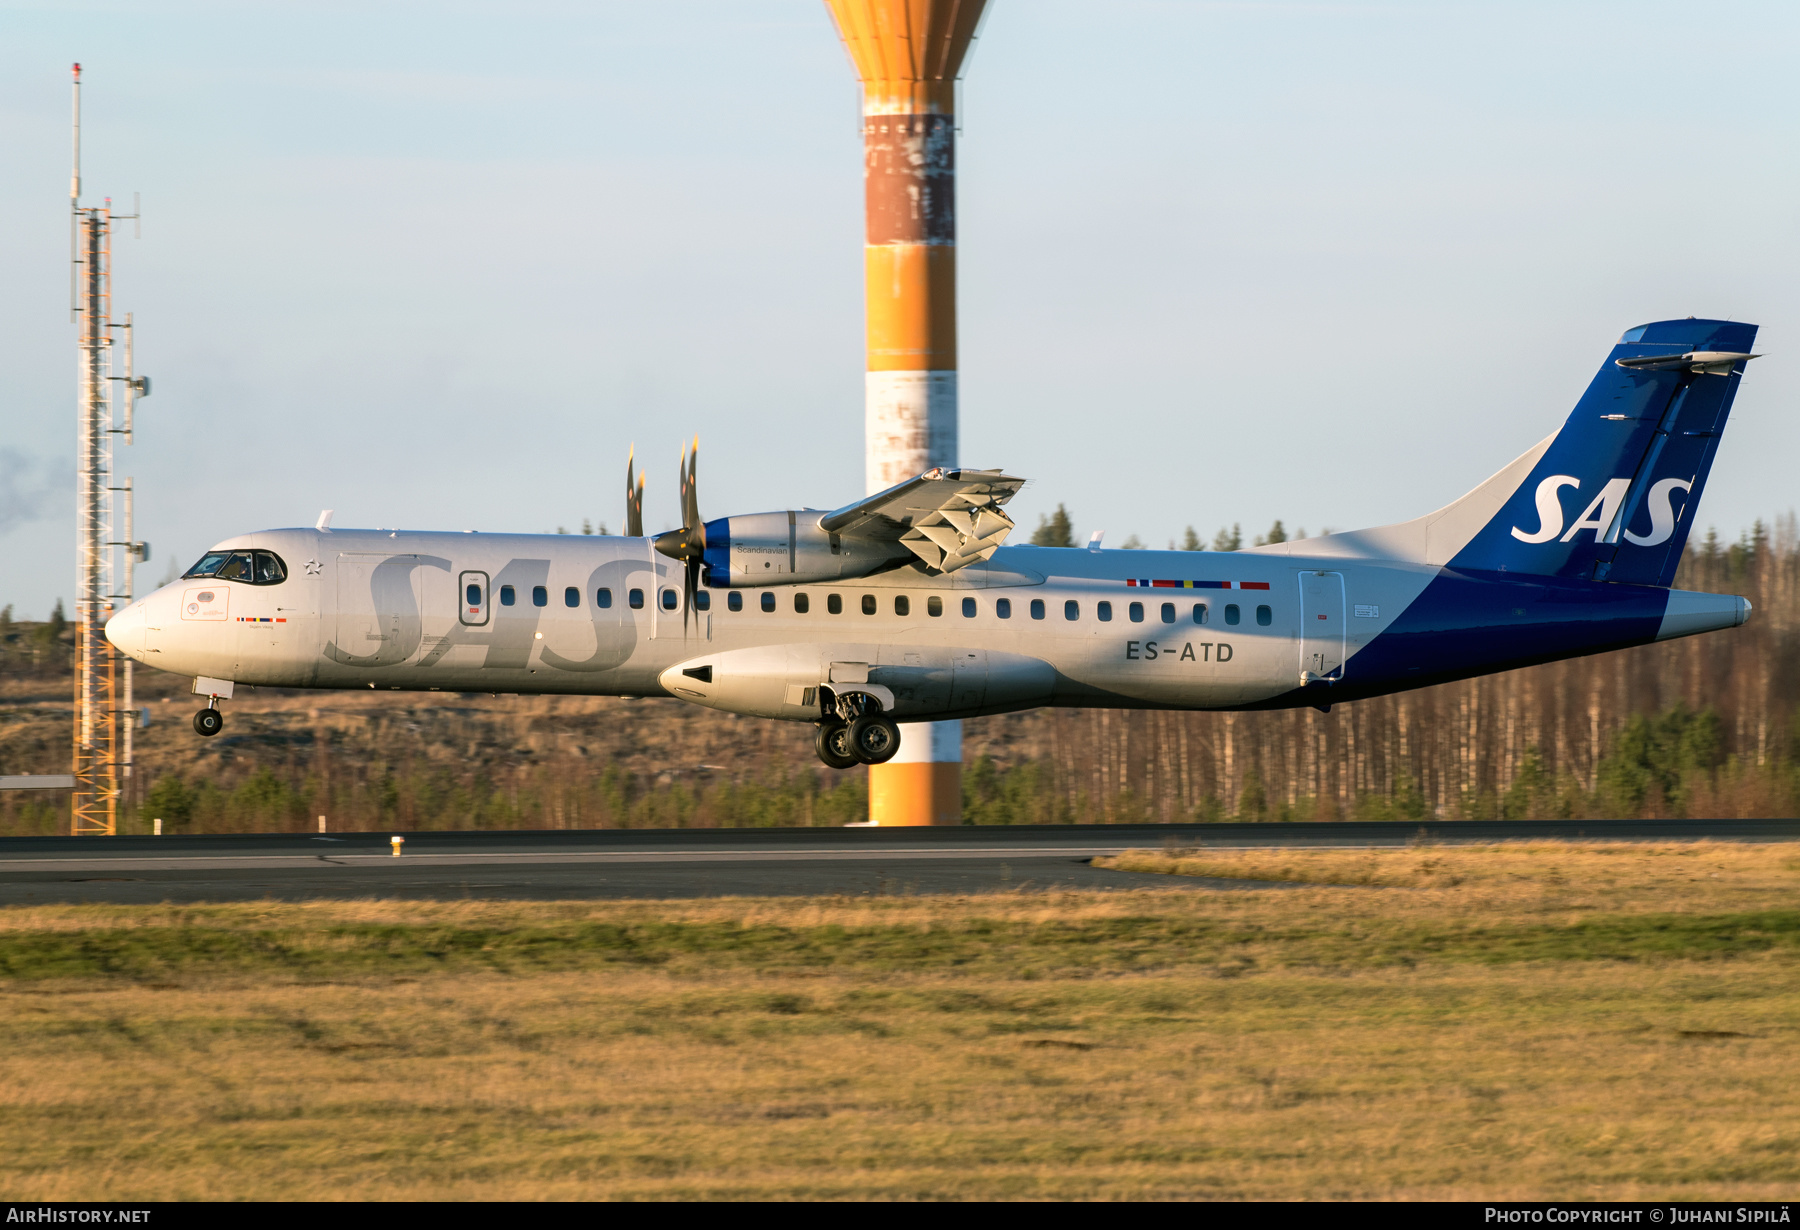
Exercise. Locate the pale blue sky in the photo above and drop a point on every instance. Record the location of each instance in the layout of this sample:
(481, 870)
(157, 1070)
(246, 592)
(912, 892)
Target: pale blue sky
(437, 265)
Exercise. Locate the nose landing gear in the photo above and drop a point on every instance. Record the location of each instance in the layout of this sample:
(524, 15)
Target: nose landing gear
(209, 721)
(855, 731)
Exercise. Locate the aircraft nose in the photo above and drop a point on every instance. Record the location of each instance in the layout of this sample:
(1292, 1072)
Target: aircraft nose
(126, 630)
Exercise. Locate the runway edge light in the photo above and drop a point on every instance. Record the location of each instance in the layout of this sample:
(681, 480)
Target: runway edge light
(908, 55)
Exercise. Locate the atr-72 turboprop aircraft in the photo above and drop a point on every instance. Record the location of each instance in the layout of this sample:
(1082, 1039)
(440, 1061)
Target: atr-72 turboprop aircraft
(907, 606)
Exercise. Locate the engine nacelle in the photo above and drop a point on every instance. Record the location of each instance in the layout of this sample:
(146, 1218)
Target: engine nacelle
(789, 548)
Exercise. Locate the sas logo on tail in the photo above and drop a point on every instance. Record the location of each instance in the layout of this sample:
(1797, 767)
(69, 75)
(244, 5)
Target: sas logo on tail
(1601, 513)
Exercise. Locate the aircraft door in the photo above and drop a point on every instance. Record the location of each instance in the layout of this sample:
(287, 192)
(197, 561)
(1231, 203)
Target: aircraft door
(434, 584)
(1321, 625)
(377, 617)
(474, 607)
(969, 678)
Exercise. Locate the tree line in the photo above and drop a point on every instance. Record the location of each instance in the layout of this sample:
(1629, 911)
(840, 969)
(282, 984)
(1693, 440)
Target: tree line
(1704, 726)
(1057, 529)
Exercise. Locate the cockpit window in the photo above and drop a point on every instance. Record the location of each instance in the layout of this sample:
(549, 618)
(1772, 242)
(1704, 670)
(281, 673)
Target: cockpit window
(208, 565)
(248, 567)
(237, 568)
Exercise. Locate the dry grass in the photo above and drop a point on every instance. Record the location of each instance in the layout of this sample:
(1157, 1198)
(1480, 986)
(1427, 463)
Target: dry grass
(1563, 1022)
(1664, 875)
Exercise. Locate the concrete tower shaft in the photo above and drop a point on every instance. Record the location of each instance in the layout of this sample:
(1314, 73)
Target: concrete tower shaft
(908, 54)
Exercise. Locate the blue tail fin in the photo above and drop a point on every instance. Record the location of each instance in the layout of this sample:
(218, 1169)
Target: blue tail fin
(1614, 496)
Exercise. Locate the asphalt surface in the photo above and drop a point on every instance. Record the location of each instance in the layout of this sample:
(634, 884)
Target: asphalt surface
(704, 862)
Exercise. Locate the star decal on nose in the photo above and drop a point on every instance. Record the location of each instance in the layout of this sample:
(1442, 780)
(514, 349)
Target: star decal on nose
(313, 567)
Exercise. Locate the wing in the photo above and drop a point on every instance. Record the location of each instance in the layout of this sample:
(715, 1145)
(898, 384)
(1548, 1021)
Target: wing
(948, 518)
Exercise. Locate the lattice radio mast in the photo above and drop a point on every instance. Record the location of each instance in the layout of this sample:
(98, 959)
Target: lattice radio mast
(105, 551)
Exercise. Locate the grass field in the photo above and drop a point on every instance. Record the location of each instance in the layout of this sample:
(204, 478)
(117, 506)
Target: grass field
(1550, 1020)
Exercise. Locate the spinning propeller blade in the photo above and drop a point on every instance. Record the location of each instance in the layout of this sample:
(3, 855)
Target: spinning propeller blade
(687, 544)
(634, 499)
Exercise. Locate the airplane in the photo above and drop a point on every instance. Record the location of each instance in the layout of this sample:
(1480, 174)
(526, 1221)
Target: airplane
(908, 606)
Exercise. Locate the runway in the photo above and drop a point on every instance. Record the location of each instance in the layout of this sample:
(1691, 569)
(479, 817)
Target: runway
(667, 864)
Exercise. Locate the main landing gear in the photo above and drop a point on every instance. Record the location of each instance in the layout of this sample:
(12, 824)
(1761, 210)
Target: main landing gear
(833, 744)
(855, 731)
(209, 721)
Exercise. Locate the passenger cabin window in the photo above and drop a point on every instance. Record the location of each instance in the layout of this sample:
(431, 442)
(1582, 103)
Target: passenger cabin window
(768, 601)
(1072, 609)
(1002, 607)
(902, 605)
(702, 601)
(803, 603)
(934, 606)
(1168, 612)
(1264, 616)
(1199, 612)
(635, 599)
(734, 601)
(506, 595)
(571, 596)
(1103, 611)
(472, 595)
(968, 608)
(669, 600)
(1136, 611)
(834, 604)
(540, 596)
(1231, 613)
(1037, 608)
(868, 604)
(603, 598)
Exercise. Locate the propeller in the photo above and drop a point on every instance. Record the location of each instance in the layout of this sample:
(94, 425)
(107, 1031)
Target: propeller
(634, 499)
(687, 544)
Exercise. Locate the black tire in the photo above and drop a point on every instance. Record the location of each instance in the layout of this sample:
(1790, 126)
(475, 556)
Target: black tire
(874, 738)
(209, 722)
(833, 745)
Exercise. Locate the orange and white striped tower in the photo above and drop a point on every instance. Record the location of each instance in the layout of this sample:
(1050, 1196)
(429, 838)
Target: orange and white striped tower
(909, 54)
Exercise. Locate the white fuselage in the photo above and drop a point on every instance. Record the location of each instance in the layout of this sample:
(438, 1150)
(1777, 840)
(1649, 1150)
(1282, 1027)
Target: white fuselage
(1032, 626)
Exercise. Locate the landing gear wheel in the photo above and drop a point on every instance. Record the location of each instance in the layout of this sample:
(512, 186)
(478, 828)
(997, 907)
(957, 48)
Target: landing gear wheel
(874, 738)
(209, 722)
(833, 744)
